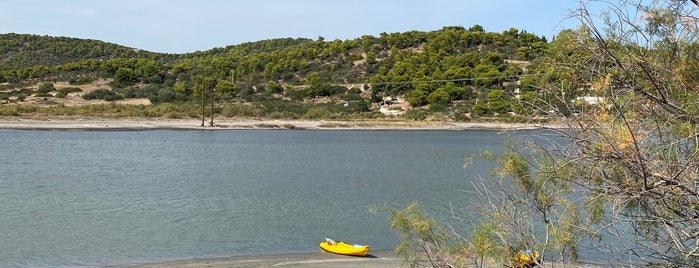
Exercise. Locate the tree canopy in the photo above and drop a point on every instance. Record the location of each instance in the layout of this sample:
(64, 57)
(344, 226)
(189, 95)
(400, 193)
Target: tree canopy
(433, 67)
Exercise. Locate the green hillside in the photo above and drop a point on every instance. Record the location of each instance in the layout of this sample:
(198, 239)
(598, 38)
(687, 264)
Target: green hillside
(23, 50)
(450, 70)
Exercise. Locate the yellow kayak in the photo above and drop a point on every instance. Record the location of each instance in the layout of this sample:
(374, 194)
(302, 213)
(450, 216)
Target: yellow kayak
(343, 248)
(527, 258)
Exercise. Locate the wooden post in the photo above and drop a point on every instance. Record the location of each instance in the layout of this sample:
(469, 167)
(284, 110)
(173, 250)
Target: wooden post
(213, 94)
(202, 106)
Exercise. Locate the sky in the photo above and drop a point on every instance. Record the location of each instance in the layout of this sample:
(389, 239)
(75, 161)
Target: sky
(181, 26)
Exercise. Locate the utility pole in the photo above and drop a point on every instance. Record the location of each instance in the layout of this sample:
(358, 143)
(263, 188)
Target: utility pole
(213, 94)
(201, 90)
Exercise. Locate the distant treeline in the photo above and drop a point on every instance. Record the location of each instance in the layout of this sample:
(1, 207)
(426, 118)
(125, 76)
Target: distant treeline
(453, 68)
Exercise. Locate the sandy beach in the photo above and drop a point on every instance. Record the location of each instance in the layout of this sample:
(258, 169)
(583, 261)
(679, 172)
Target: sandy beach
(376, 259)
(227, 123)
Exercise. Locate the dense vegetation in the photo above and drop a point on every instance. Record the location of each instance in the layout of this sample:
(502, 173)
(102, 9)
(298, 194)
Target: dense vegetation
(461, 73)
(619, 182)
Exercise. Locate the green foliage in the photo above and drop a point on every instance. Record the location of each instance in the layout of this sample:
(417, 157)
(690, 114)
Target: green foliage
(23, 50)
(139, 92)
(415, 114)
(423, 241)
(497, 103)
(416, 97)
(9, 110)
(295, 94)
(63, 92)
(485, 244)
(461, 113)
(438, 108)
(396, 64)
(529, 204)
(274, 88)
(354, 57)
(43, 95)
(241, 110)
(637, 175)
(317, 114)
(45, 87)
(481, 109)
(124, 76)
(440, 96)
(166, 95)
(104, 94)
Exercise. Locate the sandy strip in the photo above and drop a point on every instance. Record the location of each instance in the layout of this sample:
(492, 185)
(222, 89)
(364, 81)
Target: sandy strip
(376, 259)
(386, 259)
(219, 124)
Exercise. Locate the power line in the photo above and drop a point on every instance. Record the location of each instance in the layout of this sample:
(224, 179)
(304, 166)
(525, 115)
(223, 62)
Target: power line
(451, 80)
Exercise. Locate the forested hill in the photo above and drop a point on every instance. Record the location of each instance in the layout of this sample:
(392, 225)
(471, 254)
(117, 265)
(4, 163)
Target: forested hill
(25, 50)
(472, 62)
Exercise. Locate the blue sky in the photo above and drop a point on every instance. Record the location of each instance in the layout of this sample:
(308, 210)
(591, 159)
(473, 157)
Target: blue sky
(179, 26)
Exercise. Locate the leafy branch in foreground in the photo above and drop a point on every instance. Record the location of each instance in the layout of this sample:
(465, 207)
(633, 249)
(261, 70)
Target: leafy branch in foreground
(638, 154)
(621, 177)
(424, 241)
(632, 160)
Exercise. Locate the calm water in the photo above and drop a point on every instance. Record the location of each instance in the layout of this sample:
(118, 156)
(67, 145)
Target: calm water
(92, 198)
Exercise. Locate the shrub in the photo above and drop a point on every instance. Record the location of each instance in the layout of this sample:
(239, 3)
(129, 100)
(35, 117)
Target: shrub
(352, 97)
(337, 90)
(354, 57)
(166, 95)
(113, 97)
(154, 79)
(63, 92)
(481, 109)
(415, 114)
(317, 113)
(8, 111)
(104, 94)
(139, 92)
(242, 110)
(80, 81)
(317, 91)
(297, 109)
(294, 94)
(45, 87)
(173, 115)
(440, 96)
(438, 108)
(43, 95)
(354, 90)
(276, 115)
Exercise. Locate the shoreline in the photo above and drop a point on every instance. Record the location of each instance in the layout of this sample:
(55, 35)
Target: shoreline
(375, 259)
(249, 124)
(382, 258)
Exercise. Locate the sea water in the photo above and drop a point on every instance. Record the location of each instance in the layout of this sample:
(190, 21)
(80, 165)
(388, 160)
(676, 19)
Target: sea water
(92, 198)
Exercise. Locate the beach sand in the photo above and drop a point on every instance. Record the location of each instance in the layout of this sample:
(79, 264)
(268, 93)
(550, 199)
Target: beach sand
(227, 123)
(375, 259)
(387, 259)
